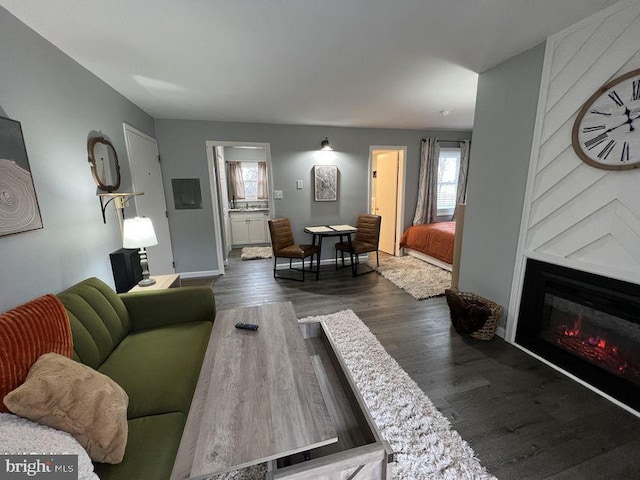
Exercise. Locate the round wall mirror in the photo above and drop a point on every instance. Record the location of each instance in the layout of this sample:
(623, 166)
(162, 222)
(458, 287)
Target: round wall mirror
(104, 164)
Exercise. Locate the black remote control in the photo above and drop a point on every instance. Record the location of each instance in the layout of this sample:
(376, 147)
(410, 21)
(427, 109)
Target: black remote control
(247, 326)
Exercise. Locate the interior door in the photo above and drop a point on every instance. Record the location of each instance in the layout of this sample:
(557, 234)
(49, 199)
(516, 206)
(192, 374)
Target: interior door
(223, 193)
(386, 199)
(147, 178)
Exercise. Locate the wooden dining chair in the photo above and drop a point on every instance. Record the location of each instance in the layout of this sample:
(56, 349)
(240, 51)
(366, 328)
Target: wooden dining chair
(366, 240)
(284, 247)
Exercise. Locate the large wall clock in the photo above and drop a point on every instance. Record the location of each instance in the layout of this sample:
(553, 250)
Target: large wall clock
(606, 133)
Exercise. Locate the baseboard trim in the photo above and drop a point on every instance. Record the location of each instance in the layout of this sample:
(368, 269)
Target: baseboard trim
(204, 273)
(500, 331)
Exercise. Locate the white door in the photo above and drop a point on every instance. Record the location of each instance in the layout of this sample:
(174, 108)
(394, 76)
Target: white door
(386, 198)
(147, 178)
(224, 200)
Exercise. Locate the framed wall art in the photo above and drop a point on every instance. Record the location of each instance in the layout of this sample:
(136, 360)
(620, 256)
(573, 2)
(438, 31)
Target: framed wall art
(19, 210)
(326, 183)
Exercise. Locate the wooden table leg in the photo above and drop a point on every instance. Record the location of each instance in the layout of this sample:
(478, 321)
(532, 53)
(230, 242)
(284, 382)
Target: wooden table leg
(354, 268)
(319, 255)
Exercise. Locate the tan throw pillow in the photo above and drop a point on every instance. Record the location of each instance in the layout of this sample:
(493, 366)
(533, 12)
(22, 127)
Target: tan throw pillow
(64, 394)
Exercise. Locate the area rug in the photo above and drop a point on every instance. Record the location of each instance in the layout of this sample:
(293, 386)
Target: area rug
(419, 279)
(254, 253)
(426, 446)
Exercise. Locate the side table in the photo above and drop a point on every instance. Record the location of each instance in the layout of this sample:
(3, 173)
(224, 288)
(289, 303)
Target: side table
(162, 283)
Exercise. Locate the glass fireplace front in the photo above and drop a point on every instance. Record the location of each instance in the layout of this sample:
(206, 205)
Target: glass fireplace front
(586, 324)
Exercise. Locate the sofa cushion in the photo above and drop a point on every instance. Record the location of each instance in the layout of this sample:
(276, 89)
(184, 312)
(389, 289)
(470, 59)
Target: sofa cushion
(69, 396)
(151, 449)
(151, 309)
(159, 368)
(26, 332)
(99, 320)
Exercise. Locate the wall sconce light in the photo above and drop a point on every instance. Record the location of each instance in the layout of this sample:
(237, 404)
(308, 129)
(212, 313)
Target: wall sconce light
(325, 145)
(138, 233)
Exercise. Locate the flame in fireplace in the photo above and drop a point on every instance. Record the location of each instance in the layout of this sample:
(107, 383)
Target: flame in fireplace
(594, 348)
(575, 330)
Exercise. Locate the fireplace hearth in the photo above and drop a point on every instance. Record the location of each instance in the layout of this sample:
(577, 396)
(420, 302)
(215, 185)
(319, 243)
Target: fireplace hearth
(586, 324)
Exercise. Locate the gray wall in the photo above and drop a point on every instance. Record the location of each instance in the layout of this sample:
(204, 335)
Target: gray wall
(232, 154)
(59, 103)
(294, 152)
(505, 115)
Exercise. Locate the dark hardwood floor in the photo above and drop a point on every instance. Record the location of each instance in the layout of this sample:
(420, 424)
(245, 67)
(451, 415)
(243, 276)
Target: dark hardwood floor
(523, 419)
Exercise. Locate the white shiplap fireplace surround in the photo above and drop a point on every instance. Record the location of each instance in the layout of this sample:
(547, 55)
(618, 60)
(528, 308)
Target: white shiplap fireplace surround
(575, 215)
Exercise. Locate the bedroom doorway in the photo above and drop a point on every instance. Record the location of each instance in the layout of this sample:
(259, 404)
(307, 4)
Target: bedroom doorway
(387, 194)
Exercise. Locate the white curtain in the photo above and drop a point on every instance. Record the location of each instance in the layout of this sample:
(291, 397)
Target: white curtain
(263, 186)
(236, 183)
(427, 206)
(461, 194)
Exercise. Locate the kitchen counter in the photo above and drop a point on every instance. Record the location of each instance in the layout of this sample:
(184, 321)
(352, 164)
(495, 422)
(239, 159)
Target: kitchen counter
(263, 209)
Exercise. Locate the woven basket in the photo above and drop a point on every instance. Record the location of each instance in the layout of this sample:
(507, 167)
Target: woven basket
(489, 329)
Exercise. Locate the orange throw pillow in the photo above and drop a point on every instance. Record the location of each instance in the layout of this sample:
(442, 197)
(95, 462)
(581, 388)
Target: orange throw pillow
(26, 332)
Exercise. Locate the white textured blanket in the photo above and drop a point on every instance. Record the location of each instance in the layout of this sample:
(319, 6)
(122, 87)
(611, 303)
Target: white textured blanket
(20, 436)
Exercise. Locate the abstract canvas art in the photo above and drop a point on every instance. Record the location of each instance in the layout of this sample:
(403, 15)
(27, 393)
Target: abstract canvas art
(19, 210)
(326, 183)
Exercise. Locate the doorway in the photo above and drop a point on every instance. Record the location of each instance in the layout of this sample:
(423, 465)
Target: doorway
(387, 167)
(234, 215)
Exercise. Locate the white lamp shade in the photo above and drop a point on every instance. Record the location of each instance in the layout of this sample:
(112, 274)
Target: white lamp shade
(138, 233)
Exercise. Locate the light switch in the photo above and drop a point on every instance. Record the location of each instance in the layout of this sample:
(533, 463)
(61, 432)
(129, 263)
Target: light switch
(277, 194)
(299, 184)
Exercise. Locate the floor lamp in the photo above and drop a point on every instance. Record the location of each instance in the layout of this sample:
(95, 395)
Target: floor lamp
(138, 233)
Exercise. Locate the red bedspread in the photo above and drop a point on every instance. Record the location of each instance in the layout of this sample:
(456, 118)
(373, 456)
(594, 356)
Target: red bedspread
(434, 239)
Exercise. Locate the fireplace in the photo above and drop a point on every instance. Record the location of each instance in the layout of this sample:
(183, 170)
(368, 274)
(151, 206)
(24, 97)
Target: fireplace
(586, 324)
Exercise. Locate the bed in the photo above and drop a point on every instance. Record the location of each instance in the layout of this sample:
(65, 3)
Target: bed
(431, 242)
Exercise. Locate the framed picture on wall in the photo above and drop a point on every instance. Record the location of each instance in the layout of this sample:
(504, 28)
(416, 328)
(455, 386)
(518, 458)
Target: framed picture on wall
(19, 210)
(326, 183)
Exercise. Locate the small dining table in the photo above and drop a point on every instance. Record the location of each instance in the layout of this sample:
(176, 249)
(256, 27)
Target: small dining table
(321, 231)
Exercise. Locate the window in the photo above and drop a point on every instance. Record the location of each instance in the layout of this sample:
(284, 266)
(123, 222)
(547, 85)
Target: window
(250, 180)
(448, 169)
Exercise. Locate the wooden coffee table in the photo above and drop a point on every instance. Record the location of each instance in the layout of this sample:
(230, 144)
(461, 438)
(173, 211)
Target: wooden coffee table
(257, 397)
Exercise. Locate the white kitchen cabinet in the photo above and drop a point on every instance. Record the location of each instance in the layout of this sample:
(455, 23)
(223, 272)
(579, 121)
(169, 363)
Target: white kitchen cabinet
(249, 228)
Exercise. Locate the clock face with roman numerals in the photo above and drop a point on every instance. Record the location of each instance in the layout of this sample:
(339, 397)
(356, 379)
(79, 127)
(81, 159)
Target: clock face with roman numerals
(606, 133)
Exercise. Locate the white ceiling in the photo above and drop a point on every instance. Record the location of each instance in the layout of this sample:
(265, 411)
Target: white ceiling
(360, 63)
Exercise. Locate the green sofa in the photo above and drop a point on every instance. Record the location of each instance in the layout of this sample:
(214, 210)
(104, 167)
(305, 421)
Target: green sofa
(152, 344)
